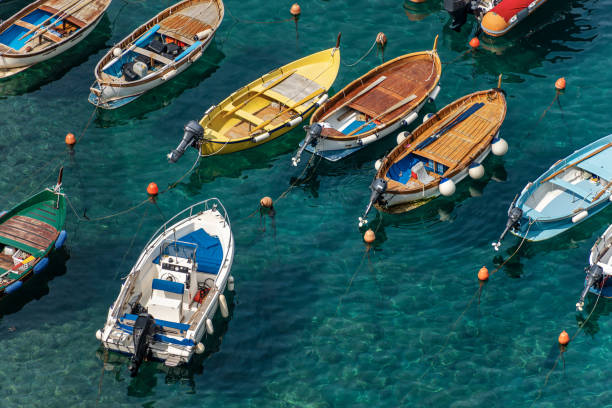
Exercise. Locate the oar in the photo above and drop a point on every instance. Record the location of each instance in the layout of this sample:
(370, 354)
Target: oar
(50, 18)
(556, 173)
(303, 101)
(272, 85)
(366, 90)
(603, 190)
(443, 129)
(65, 14)
(391, 109)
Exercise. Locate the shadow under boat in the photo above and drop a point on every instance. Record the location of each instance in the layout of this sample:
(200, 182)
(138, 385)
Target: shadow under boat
(591, 326)
(143, 385)
(34, 78)
(420, 11)
(163, 95)
(37, 286)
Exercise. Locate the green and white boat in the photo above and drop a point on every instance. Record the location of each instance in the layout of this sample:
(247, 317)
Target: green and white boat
(28, 234)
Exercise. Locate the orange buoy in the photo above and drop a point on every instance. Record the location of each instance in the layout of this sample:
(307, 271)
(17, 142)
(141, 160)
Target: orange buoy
(381, 39)
(483, 274)
(152, 189)
(474, 42)
(295, 10)
(70, 139)
(266, 202)
(560, 84)
(369, 236)
(564, 338)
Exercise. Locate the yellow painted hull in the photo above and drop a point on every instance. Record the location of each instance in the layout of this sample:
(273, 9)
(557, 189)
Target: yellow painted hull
(270, 106)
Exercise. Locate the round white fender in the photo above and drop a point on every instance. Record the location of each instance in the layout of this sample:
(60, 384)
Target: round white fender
(168, 75)
(427, 117)
(367, 140)
(447, 187)
(199, 348)
(210, 109)
(580, 216)
(499, 147)
(261, 137)
(476, 170)
(410, 118)
(99, 334)
(610, 197)
(209, 327)
(230, 283)
(202, 34)
(401, 136)
(377, 164)
(434, 94)
(295, 121)
(322, 100)
(223, 306)
(116, 52)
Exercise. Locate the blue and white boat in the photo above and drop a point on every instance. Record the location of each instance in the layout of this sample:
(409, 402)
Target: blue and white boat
(569, 192)
(167, 302)
(598, 275)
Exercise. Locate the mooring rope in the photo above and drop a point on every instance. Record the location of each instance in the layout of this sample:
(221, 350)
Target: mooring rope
(117, 272)
(362, 57)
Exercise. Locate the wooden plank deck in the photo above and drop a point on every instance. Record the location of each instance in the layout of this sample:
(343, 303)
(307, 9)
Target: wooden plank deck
(28, 231)
(86, 11)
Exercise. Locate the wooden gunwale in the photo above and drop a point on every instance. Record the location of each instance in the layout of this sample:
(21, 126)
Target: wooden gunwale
(419, 134)
(31, 7)
(362, 82)
(164, 14)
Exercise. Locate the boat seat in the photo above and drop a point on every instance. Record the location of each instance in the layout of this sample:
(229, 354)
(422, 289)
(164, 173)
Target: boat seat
(249, 117)
(292, 89)
(573, 188)
(46, 34)
(71, 19)
(166, 301)
(153, 55)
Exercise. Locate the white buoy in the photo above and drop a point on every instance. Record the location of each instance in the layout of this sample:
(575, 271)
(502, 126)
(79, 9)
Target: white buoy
(447, 187)
(99, 334)
(476, 170)
(610, 197)
(209, 327)
(427, 117)
(116, 52)
(230, 283)
(580, 216)
(499, 147)
(434, 94)
(377, 164)
(199, 348)
(401, 136)
(223, 306)
(202, 34)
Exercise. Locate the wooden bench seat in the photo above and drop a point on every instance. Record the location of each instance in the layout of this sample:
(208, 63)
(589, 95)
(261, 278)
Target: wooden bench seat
(153, 55)
(242, 114)
(46, 34)
(71, 19)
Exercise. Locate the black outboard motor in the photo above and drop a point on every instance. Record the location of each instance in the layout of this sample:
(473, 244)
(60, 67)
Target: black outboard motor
(193, 135)
(594, 277)
(458, 10)
(144, 329)
(312, 134)
(514, 221)
(378, 187)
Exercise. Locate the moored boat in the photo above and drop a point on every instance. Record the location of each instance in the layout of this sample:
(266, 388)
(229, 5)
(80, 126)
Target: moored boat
(440, 153)
(155, 52)
(29, 232)
(373, 106)
(44, 29)
(598, 273)
(168, 300)
(570, 191)
(265, 109)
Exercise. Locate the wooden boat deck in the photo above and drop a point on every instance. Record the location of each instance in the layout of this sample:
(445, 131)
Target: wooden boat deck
(28, 231)
(248, 121)
(85, 12)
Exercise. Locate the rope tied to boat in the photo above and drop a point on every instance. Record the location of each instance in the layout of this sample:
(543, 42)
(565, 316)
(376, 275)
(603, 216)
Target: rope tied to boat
(362, 57)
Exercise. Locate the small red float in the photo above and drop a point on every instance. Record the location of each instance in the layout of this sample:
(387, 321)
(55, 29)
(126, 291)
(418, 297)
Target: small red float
(152, 189)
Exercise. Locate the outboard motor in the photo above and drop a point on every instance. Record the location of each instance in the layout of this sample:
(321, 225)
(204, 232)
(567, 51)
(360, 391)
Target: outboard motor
(312, 134)
(378, 187)
(514, 218)
(458, 10)
(594, 277)
(193, 134)
(144, 329)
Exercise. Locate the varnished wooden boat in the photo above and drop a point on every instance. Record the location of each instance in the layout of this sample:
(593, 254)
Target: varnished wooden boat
(265, 109)
(441, 152)
(374, 105)
(44, 29)
(28, 233)
(155, 52)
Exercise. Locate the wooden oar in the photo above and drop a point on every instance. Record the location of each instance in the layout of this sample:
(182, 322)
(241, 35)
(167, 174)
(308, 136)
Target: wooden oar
(603, 190)
(303, 101)
(391, 109)
(267, 88)
(366, 90)
(65, 15)
(556, 173)
(70, 5)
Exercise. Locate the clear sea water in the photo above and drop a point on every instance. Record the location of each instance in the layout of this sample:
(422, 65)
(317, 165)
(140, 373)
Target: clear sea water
(314, 323)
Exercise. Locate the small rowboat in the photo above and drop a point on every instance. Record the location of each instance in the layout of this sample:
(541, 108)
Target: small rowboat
(28, 234)
(167, 302)
(439, 153)
(44, 29)
(598, 280)
(373, 106)
(265, 109)
(155, 52)
(569, 192)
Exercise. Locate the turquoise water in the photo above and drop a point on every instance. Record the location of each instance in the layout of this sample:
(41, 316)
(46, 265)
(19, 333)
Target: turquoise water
(314, 322)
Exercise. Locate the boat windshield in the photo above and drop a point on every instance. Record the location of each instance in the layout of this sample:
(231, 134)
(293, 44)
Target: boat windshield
(179, 249)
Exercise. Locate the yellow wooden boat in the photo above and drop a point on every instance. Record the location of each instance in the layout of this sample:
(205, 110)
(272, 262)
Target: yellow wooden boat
(265, 109)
